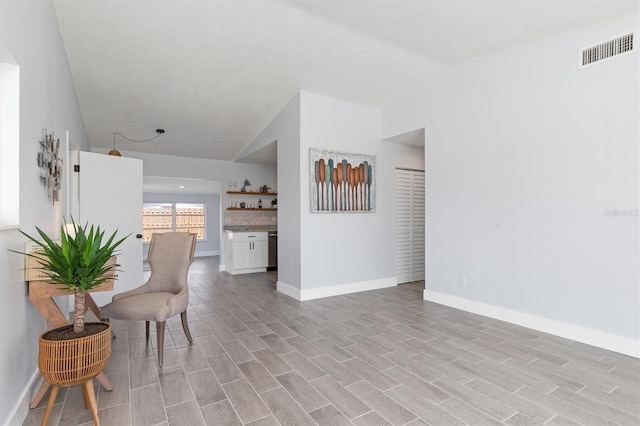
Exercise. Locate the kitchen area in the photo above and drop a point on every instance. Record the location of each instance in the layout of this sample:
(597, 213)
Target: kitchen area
(250, 225)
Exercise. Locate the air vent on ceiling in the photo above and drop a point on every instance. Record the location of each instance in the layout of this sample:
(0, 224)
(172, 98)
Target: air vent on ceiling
(606, 50)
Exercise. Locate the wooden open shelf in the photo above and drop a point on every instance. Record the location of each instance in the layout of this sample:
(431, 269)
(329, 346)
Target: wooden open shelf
(266, 194)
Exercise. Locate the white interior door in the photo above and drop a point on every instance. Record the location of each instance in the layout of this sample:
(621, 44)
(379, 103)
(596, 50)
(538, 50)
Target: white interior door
(410, 225)
(110, 195)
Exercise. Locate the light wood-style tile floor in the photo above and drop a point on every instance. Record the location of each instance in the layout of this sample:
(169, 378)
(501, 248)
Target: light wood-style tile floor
(371, 358)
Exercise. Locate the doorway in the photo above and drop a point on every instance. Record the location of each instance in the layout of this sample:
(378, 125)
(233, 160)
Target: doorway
(410, 225)
(181, 204)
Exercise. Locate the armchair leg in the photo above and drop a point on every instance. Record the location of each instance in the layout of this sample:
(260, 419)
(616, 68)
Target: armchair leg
(185, 326)
(146, 329)
(160, 333)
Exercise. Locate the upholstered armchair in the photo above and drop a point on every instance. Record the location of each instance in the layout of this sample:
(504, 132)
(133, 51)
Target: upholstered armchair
(165, 293)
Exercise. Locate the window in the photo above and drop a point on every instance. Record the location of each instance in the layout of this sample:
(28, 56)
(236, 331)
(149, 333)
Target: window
(9, 140)
(173, 217)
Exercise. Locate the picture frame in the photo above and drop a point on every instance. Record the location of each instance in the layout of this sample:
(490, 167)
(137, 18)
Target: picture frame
(341, 182)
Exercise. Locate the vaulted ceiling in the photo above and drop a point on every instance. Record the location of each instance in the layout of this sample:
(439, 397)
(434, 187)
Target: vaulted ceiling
(213, 73)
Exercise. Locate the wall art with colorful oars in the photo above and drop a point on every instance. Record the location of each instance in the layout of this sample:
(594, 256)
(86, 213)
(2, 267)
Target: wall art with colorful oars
(341, 182)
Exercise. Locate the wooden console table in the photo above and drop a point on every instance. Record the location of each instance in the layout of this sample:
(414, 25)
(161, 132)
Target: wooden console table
(41, 294)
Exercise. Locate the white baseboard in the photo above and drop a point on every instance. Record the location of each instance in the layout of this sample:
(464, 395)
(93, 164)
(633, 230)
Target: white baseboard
(335, 290)
(612, 342)
(207, 253)
(247, 271)
(288, 290)
(221, 268)
(21, 410)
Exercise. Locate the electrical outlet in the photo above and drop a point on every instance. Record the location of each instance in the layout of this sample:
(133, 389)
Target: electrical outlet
(462, 281)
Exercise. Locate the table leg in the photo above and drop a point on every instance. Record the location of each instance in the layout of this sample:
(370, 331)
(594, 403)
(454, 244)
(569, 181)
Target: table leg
(50, 311)
(90, 305)
(102, 378)
(104, 381)
(90, 398)
(40, 394)
(54, 316)
(52, 400)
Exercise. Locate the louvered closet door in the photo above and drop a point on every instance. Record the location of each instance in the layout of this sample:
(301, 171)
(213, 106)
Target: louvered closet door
(418, 234)
(410, 225)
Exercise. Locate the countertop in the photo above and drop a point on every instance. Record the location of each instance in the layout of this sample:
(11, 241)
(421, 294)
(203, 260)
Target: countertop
(250, 228)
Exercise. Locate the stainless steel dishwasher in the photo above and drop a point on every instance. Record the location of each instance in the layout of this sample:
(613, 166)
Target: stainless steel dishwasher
(273, 251)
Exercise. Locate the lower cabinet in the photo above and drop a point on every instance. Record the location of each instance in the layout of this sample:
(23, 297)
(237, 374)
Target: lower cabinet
(247, 252)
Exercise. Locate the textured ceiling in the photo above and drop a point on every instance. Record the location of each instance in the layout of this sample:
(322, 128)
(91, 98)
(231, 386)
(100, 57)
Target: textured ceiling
(172, 185)
(213, 73)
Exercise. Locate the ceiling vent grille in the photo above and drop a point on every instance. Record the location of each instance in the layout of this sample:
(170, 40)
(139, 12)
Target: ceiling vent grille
(605, 51)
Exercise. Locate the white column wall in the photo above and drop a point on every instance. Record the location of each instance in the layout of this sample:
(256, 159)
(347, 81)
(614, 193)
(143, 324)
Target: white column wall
(346, 252)
(285, 128)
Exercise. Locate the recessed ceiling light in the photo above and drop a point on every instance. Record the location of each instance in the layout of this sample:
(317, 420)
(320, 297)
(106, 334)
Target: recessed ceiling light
(181, 187)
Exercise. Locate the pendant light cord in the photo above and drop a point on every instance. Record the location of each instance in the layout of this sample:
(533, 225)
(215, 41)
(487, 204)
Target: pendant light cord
(159, 131)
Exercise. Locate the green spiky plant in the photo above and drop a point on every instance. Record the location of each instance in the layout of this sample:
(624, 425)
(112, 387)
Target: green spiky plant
(78, 262)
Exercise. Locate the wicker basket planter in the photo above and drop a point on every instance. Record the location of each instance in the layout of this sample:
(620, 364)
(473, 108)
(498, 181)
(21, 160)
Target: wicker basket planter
(73, 361)
(67, 362)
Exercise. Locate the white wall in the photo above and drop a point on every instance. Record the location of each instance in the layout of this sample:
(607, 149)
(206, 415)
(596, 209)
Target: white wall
(285, 128)
(346, 248)
(208, 247)
(29, 30)
(524, 156)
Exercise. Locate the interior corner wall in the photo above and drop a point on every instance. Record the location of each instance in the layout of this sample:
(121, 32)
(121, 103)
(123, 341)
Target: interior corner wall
(29, 31)
(533, 177)
(285, 128)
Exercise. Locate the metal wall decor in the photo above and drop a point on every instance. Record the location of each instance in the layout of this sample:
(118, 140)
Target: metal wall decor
(341, 182)
(50, 164)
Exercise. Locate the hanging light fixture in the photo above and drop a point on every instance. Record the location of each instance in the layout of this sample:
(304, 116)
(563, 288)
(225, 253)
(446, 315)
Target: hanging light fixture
(116, 153)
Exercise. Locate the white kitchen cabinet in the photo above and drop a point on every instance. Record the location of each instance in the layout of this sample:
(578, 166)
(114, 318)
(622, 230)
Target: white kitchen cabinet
(247, 252)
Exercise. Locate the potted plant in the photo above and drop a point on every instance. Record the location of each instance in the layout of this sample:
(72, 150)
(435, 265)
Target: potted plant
(80, 262)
